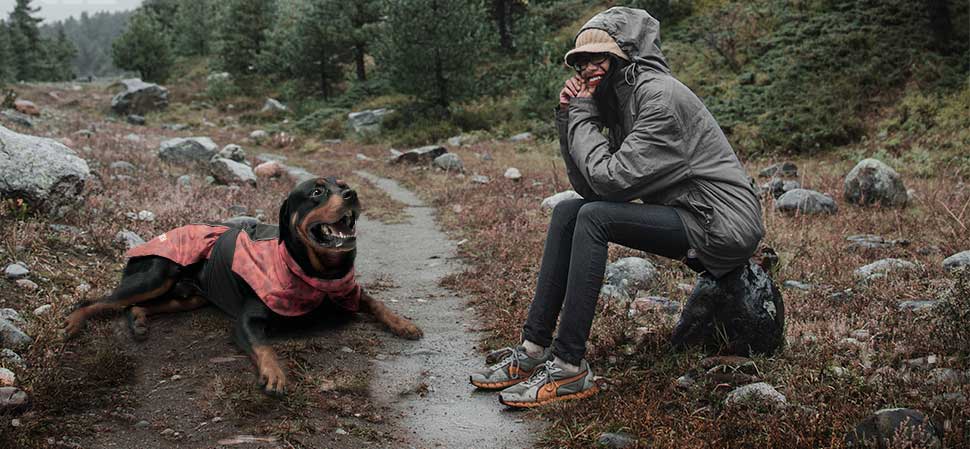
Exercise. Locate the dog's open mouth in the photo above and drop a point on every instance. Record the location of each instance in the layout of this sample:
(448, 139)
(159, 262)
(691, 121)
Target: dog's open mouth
(338, 235)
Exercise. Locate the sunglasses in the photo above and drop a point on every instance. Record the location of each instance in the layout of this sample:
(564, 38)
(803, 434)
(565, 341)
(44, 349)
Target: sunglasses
(582, 61)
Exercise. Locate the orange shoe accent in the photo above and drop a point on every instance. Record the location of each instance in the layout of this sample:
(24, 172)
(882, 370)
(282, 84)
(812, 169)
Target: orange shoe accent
(513, 371)
(547, 394)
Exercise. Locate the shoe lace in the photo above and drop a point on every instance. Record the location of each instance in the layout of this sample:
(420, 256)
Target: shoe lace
(509, 356)
(542, 375)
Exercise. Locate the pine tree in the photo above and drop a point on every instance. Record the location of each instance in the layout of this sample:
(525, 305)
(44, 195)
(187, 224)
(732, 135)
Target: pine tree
(61, 52)
(431, 48)
(241, 33)
(6, 70)
(364, 17)
(25, 42)
(193, 27)
(144, 47)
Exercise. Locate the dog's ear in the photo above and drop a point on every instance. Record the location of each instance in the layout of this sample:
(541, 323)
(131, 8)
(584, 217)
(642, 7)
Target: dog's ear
(284, 223)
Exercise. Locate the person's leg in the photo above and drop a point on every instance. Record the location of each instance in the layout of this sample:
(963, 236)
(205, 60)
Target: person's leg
(646, 227)
(553, 271)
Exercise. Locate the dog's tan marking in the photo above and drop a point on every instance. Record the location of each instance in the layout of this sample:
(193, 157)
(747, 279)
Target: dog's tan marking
(400, 326)
(270, 374)
(75, 321)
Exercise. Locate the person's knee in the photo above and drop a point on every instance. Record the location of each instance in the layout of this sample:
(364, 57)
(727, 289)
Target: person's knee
(564, 214)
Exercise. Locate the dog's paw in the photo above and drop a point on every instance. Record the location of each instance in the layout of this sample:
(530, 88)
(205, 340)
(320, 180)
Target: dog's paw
(407, 329)
(272, 380)
(73, 325)
(137, 322)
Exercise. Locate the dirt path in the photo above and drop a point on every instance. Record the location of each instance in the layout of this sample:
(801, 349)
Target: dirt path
(426, 383)
(353, 384)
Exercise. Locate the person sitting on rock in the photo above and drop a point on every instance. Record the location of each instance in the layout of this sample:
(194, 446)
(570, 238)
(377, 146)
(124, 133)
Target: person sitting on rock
(628, 130)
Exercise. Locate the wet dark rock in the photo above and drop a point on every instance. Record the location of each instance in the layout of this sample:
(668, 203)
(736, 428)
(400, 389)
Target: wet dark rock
(139, 97)
(879, 430)
(42, 171)
(806, 202)
(616, 440)
(873, 182)
(781, 169)
(744, 307)
(778, 187)
(422, 155)
(549, 203)
(957, 261)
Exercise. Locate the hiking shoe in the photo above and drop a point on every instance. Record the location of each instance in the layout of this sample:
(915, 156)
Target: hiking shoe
(550, 384)
(509, 367)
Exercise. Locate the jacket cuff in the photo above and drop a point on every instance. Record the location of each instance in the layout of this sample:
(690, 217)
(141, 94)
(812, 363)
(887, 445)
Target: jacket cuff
(583, 107)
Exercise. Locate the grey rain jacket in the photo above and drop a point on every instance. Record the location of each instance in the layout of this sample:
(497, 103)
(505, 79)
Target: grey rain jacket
(667, 149)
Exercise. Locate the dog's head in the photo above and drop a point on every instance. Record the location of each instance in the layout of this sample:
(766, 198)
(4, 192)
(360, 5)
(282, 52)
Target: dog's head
(318, 224)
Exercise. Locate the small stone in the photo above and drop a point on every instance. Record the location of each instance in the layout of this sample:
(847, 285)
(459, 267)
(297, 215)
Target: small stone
(616, 440)
(944, 376)
(122, 166)
(146, 215)
(15, 423)
(7, 378)
(12, 337)
(217, 419)
(957, 261)
(135, 119)
(233, 152)
(917, 305)
(129, 239)
(9, 357)
(521, 137)
(27, 284)
(167, 432)
(347, 349)
(797, 285)
(685, 382)
(83, 288)
(648, 304)
(480, 179)
(43, 310)
(363, 157)
(757, 393)
(806, 202)
(184, 181)
(880, 429)
(449, 162)
(258, 136)
(836, 371)
(12, 398)
(883, 267)
(340, 431)
(513, 174)
(142, 424)
(16, 271)
(550, 203)
(860, 334)
(784, 169)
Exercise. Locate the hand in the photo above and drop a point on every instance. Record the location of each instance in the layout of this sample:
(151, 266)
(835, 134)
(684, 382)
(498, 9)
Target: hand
(571, 89)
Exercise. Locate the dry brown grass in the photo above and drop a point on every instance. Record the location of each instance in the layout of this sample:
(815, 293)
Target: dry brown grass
(505, 233)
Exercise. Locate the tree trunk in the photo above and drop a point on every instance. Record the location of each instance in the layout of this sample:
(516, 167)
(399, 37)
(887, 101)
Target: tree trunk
(359, 60)
(439, 75)
(503, 19)
(939, 14)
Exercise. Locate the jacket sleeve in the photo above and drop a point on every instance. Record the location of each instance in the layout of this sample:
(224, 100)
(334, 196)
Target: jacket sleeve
(649, 159)
(575, 178)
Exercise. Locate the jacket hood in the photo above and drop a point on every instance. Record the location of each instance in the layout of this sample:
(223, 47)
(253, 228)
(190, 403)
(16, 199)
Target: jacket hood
(636, 32)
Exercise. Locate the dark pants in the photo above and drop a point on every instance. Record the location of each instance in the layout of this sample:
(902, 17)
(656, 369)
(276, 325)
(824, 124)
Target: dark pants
(574, 260)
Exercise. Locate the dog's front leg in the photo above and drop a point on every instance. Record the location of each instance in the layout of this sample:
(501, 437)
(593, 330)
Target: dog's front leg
(250, 333)
(400, 326)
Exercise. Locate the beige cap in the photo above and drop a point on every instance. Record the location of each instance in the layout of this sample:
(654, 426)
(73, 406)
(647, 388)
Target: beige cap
(594, 40)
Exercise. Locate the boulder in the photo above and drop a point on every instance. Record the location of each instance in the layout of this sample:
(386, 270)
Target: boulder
(806, 202)
(367, 122)
(423, 155)
(15, 271)
(871, 182)
(139, 98)
(259, 136)
(273, 106)
(227, 171)
(630, 274)
(512, 173)
(17, 118)
(757, 394)
(42, 171)
(879, 430)
(741, 313)
(449, 162)
(198, 150)
(233, 152)
(781, 169)
(26, 107)
(957, 261)
(549, 203)
(12, 337)
(883, 267)
(271, 169)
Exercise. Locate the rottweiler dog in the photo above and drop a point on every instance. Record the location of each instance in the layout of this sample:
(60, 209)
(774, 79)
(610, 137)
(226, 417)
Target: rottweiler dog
(260, 275)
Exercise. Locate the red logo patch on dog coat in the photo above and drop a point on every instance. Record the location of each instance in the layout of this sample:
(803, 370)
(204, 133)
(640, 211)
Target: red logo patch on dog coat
(264, 264)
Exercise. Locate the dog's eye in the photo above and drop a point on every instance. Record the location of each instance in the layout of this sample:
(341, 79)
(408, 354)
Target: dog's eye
(316, 193)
